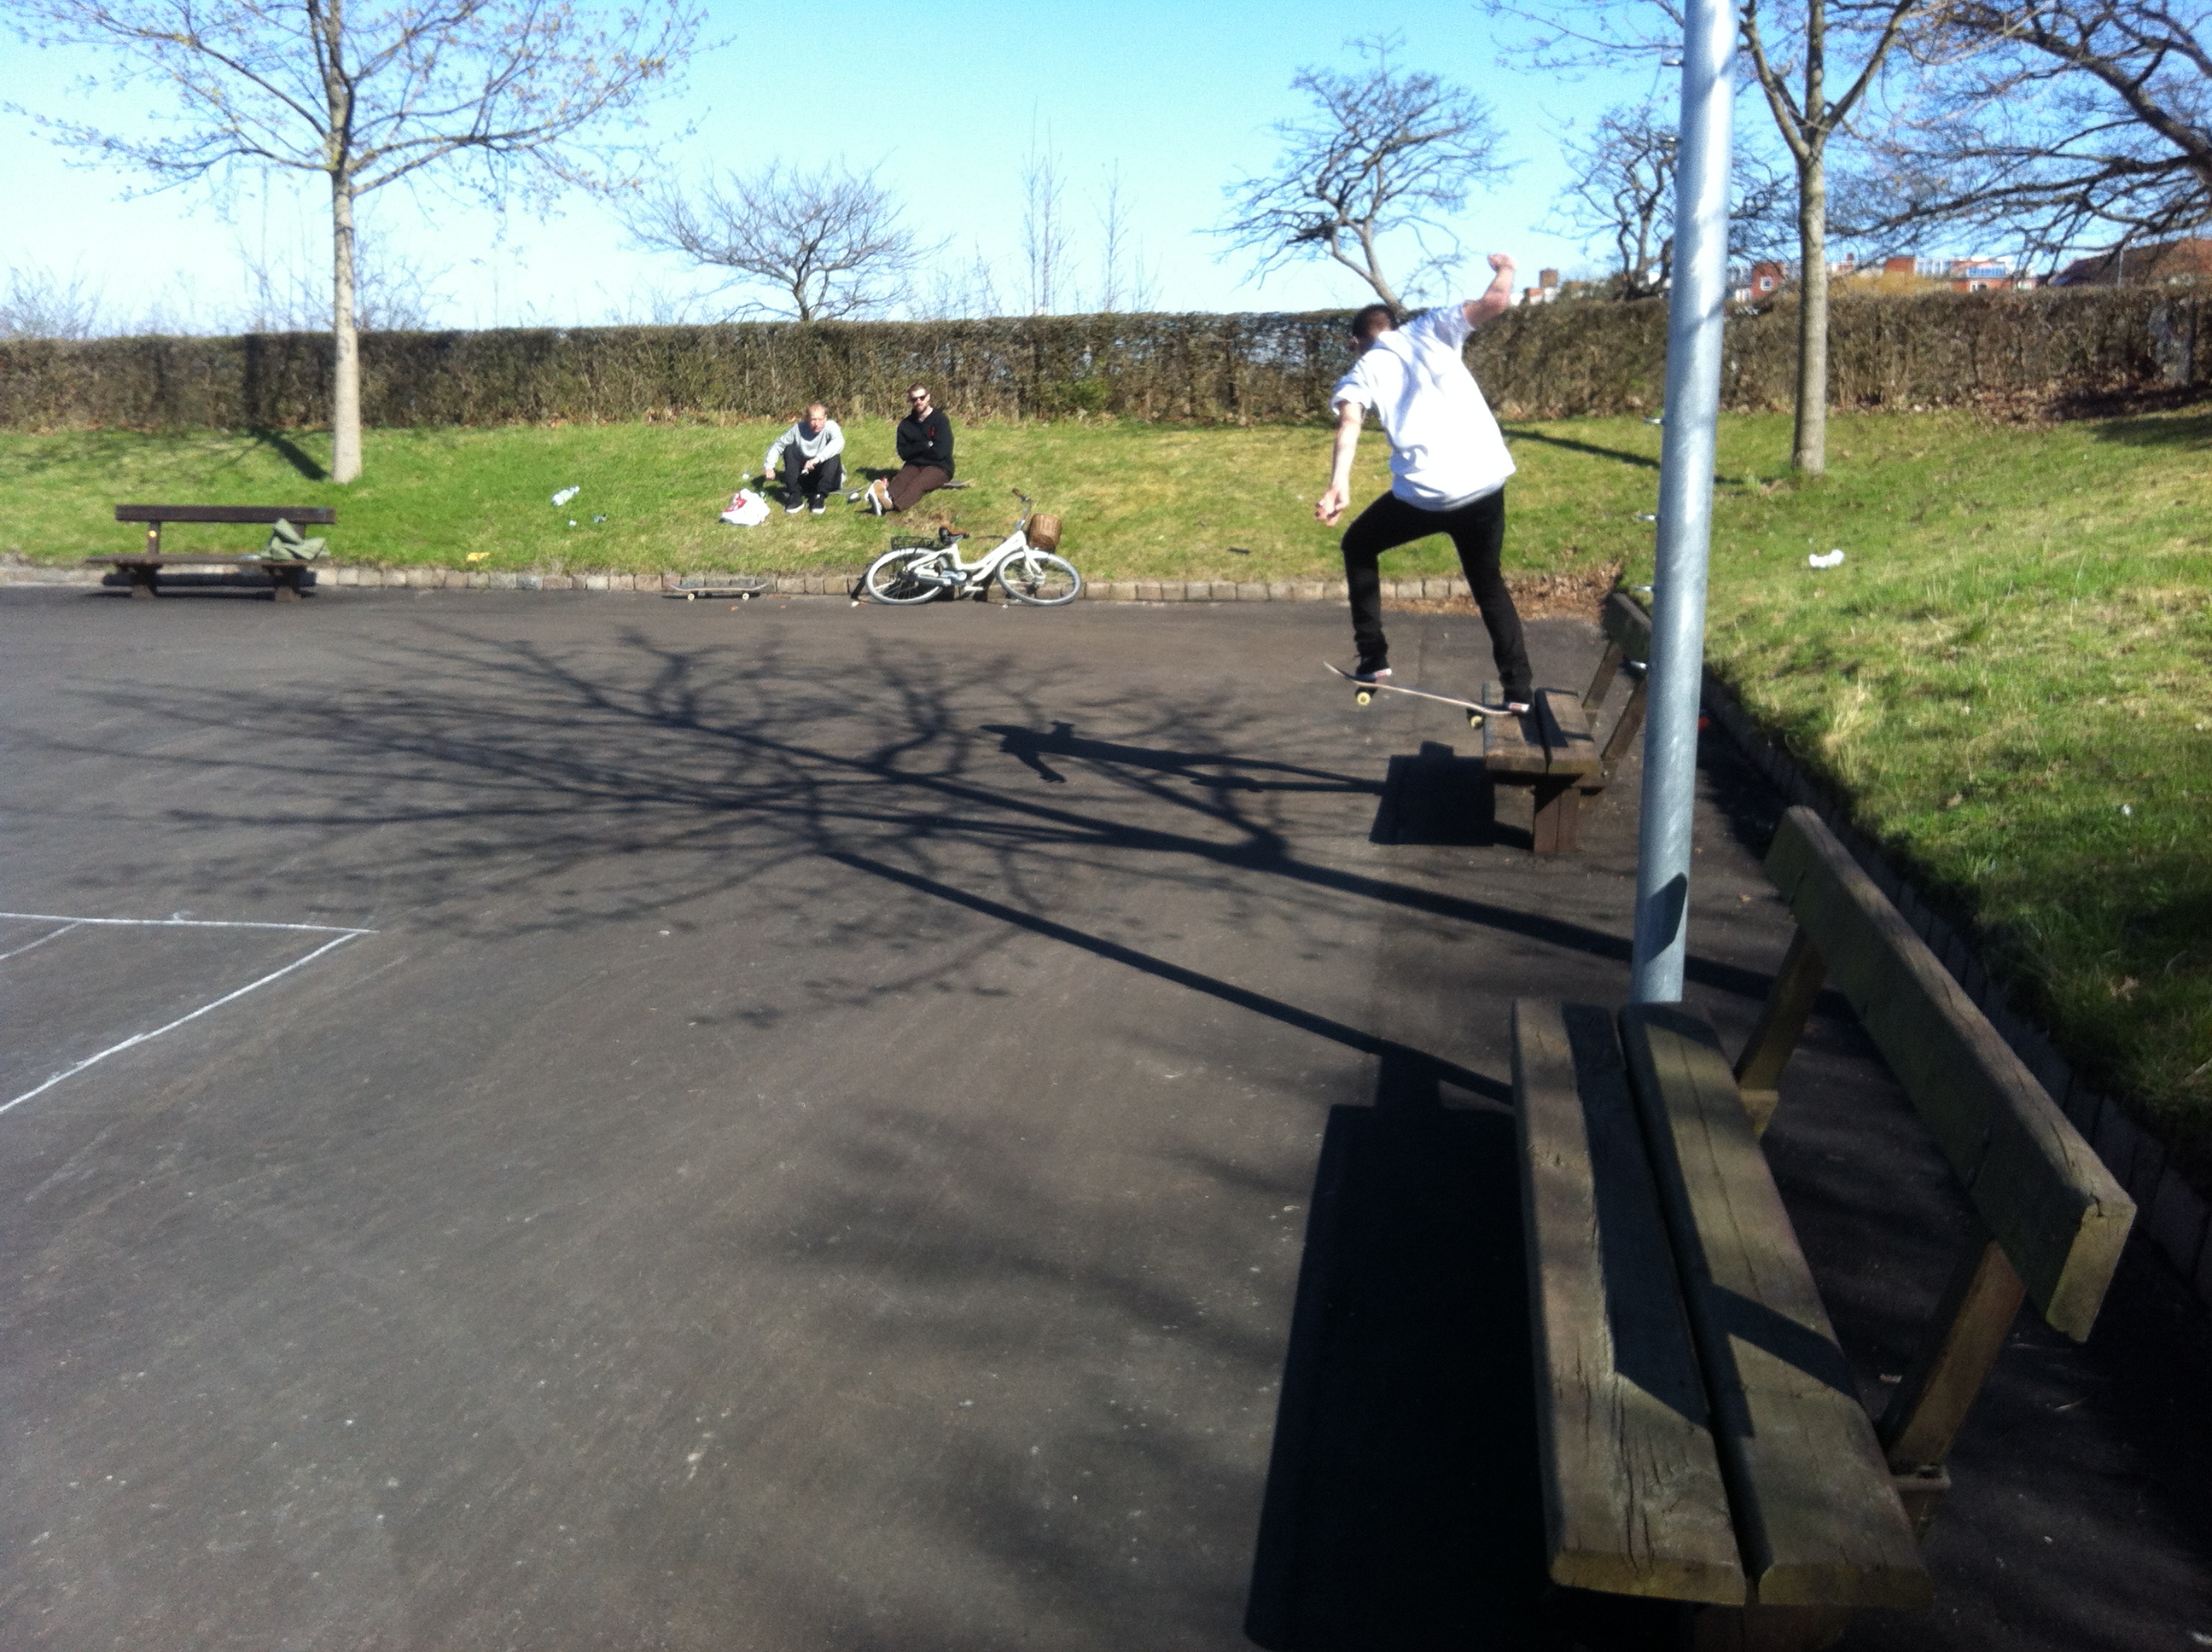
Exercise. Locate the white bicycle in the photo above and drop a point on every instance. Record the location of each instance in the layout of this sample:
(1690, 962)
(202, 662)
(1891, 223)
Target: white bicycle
(917, 569)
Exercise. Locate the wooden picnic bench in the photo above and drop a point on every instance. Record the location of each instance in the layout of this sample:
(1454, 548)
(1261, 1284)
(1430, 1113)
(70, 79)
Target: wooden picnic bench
(143, 567)
(1551, 750)
(1701, 1437)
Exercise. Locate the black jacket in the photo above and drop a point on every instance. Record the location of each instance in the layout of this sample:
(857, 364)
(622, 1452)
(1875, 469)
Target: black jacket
(926, 440)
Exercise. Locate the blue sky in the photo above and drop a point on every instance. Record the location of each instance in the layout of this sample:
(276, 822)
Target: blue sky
(1180, 95)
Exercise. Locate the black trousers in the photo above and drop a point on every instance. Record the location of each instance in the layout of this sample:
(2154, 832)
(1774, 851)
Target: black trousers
(825, 478)
(1477, 531)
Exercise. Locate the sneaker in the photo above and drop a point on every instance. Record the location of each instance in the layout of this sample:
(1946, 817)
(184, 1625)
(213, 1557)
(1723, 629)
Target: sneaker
(876, 492)
(794, 507)
(1517, 707)
(1372, 671)
(818, 508)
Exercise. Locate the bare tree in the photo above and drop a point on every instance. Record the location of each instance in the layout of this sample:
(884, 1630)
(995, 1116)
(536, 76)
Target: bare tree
(1044, 224)
(1382, 151)
(366, 95)
(2043, 120)
(1622, 188)
(965, 292)
(831, 243)
(38, 303)
(1790, 45)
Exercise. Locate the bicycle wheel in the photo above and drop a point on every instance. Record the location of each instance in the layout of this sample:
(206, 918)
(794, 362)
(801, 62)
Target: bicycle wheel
(891, 577)
(1039, 578)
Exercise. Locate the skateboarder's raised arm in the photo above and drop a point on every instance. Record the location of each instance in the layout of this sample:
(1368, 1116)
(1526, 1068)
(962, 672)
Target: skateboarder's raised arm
(1499, 299)
(1350, 414)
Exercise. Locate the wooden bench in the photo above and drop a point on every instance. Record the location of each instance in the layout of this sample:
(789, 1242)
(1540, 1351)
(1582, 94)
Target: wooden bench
(1701, 1437)
(143, 567)
(1551, 750)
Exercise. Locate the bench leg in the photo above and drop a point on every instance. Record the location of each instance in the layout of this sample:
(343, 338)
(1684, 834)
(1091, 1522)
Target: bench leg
(1608, 664)
(1625, 730)
(1781, 1025)
(288, 583)
(1929, 1406)
(142, 581)
(1558, 814)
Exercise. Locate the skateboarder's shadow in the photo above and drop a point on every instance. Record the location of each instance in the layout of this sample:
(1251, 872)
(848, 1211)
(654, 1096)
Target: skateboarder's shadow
(1438, 797)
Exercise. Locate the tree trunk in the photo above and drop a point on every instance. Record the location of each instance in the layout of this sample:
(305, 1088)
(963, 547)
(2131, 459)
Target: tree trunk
(1809, 450)
(346, 375)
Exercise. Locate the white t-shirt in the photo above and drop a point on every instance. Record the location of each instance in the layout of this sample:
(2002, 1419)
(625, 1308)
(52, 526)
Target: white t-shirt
(1445, 450)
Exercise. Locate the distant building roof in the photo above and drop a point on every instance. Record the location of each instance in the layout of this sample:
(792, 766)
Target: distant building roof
(2156, 265)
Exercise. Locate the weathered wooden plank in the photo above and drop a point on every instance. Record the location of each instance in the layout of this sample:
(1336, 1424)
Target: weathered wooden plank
(319, 515)
(1817, 1519)
(1510, 746)
(2047, 1198)
(1633, 1499)
(1567, 733)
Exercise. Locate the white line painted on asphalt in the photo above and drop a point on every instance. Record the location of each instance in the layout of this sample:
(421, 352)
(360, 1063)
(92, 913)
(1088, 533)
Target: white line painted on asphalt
(51, 935)
(182, 923)
(143, 1037)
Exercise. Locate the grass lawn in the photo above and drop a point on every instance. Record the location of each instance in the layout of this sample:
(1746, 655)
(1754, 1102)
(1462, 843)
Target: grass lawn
(1139, 501)
(2011, 673)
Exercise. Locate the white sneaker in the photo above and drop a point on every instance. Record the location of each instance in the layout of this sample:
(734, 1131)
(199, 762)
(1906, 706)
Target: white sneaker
(876, 491)
(794, 507)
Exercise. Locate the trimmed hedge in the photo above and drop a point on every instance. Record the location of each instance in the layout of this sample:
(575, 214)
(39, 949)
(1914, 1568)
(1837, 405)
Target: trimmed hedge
(1586, 357)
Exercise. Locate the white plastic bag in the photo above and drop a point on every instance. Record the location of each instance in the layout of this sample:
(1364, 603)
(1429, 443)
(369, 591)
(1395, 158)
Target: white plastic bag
(747, 509)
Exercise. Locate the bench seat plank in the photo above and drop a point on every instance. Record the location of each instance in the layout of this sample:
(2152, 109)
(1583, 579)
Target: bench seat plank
(2047, 1198)
(1568, 747)
(303, 515)
(1634, 1503)
(1817, 1518)
(1511, 746)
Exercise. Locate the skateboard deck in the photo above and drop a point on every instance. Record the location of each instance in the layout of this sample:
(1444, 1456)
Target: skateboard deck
(743, 591)
(1475, 710)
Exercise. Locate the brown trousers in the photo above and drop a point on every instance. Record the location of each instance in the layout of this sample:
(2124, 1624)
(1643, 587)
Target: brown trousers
(914, 480)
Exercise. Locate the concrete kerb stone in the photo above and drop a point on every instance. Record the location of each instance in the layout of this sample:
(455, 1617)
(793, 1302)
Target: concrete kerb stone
(2172, 1216)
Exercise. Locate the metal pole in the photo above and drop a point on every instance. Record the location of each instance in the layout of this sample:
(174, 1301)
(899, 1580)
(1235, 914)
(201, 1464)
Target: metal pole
(1695, 307)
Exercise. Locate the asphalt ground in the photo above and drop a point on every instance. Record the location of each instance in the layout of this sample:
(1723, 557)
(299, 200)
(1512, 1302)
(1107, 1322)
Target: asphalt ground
(797, 1125)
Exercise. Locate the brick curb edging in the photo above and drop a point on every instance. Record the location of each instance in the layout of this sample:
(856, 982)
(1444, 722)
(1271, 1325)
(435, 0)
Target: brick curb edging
(790, 585)
(2171, 1214)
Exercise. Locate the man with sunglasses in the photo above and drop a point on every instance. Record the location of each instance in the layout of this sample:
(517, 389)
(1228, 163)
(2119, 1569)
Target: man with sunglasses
(925, 451)
(1448, 470)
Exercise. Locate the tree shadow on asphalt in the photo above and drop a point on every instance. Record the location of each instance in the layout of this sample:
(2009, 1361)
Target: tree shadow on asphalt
(497, 766)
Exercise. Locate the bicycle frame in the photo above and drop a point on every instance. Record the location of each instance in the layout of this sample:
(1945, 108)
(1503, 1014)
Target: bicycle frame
(949, 569)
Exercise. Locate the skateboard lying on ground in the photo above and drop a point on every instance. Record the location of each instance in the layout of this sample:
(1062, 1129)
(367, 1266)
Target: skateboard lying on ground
(745, 590)
(1475, 710)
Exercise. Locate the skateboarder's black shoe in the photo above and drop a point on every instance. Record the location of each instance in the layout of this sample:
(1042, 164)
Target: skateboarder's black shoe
(1376, 670)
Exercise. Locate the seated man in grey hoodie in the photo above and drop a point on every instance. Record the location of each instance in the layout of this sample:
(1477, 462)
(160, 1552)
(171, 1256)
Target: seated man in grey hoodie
(812, 468)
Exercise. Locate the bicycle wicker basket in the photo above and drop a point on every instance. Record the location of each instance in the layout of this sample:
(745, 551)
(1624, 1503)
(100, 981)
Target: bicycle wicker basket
(1043, 532)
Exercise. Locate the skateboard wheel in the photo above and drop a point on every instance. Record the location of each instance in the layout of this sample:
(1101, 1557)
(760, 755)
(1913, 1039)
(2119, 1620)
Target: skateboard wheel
(1474, 720)
(690, 596)
(1363, 697)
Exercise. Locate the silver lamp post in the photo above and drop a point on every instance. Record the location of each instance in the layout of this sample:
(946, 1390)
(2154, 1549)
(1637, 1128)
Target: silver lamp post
(1695, 309)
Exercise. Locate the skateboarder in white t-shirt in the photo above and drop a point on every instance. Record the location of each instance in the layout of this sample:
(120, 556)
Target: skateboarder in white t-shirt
(1448, 468)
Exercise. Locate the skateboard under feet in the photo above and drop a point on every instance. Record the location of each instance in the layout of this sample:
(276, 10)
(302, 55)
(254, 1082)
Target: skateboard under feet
(1475, 710)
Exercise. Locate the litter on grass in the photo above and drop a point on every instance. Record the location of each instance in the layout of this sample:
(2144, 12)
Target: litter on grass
(565, 495)
(1833, 559)
(746, 509)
